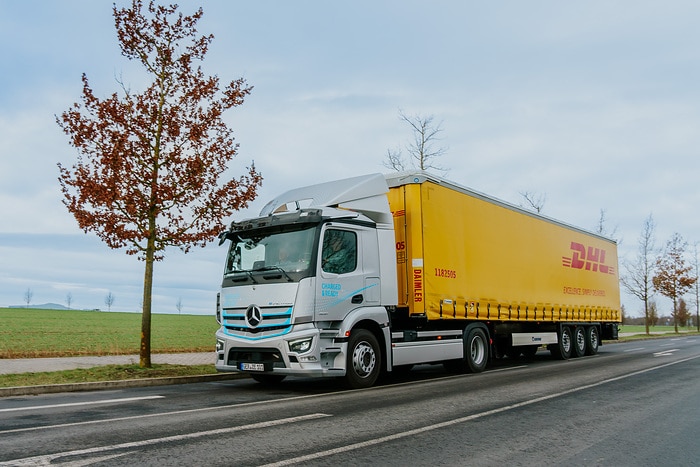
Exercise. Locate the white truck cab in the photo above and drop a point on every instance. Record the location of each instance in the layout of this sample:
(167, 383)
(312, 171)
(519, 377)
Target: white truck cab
(317, 264)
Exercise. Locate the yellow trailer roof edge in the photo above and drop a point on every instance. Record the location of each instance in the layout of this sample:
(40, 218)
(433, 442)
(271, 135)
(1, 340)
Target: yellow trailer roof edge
(419, 177)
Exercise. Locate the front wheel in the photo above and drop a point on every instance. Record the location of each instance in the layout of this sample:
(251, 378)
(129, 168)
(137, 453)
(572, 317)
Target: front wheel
(364, 360)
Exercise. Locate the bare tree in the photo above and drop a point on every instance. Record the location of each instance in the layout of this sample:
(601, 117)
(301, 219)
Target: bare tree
(602, 228)
(638, 277)
(28, 295)
(673, 277)
(533, 200)
(178, 305)
(423, 149)
(394, 160)
(109, 300)
(69, 299)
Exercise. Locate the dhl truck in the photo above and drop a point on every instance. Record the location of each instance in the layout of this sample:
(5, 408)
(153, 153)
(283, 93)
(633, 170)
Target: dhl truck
(374, 274)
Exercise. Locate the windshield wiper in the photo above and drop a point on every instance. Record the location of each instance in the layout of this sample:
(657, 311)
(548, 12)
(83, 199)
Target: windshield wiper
(276, 268)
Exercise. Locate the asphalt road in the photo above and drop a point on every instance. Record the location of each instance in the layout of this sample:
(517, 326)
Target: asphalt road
(636, 403)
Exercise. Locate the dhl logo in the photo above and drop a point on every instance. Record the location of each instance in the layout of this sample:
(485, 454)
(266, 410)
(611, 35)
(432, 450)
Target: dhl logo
(590, 259)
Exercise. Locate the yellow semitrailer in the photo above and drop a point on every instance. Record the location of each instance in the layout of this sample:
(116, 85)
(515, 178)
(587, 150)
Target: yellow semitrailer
(378, 273)
(531, 280)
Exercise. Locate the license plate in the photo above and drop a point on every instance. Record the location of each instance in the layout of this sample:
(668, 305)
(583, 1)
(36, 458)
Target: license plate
(252, 367)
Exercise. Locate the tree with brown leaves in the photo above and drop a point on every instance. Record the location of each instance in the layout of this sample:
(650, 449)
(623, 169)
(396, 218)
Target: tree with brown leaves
(151, 166)
(673, 278)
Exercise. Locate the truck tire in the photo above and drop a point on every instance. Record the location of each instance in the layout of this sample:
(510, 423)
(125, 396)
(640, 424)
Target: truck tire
(579, 342)
(476, 350)
(592, 340)
(364, 360)
(562, 350)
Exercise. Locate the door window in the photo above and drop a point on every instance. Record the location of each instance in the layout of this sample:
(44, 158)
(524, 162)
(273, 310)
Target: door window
(339, 254)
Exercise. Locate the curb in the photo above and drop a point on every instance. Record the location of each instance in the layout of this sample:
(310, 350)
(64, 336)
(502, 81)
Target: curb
(128, 383)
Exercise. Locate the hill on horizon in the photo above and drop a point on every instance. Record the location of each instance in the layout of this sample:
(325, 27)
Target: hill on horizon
(45, 306)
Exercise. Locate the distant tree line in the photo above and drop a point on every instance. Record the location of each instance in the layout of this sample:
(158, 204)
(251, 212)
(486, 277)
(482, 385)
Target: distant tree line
(667, 271)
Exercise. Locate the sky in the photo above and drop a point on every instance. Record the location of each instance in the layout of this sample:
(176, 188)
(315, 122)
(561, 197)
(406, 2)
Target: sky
(594, 104)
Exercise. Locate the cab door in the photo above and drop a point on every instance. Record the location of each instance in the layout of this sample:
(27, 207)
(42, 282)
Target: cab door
(341, 284)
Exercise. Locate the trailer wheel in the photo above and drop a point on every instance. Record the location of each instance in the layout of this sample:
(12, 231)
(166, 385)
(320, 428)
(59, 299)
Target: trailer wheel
(592, 340)
(268, 380)
(363, 360)
(579, 347)
(562, 350)
(477, 350)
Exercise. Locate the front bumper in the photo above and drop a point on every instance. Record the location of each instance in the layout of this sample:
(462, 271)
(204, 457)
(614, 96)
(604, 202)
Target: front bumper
(324, 357)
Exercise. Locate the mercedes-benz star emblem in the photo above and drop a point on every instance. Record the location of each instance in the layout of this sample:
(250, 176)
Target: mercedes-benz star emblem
(253, 316)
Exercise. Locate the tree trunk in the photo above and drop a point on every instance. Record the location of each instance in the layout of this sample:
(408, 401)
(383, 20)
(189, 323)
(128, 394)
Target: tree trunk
(646, 315)
(675, 316)
(145, 350)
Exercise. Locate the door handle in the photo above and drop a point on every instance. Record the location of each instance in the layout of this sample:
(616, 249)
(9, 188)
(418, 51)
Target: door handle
(357, 299)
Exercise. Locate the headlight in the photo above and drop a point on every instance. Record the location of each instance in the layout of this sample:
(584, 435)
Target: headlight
(301, 345)
(219, 345)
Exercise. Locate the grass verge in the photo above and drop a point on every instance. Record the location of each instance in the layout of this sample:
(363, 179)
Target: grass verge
(104, 373)
(657, 329)
(657, 335)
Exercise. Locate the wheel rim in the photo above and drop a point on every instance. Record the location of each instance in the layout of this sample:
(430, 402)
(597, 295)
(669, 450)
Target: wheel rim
(580, 339)
(364, 359)
(477, 350)
(594, 338)
(566, 340)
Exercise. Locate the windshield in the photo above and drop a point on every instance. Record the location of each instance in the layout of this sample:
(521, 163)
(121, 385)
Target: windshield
(289, 251)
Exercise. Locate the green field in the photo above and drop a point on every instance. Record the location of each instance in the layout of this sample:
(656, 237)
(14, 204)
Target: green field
(58, 333)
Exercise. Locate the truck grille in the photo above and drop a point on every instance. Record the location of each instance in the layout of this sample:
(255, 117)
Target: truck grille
(274, 321)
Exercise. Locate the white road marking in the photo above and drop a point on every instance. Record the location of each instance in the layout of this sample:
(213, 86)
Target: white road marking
(47, 459)
(666, 353)
(500, 370)
(404, 434)
(95, 460)
(635, 349)
(78, 404)
(164, 414)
